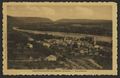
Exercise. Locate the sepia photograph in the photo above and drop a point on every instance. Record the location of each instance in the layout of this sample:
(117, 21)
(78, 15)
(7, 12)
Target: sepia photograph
(59, 36)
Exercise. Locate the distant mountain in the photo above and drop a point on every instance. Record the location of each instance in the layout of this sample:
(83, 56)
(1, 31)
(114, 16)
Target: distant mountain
(29, 19)
(84, 21)
(47, 20)
(26, 22)
(84, 26)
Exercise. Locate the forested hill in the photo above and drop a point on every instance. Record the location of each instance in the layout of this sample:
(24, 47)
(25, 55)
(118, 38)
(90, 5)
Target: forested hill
(84, 21)
(47, 20)
(84, 26)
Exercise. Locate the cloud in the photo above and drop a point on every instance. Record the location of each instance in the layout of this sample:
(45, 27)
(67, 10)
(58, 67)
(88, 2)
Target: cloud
(60, 12)
(74, 13)
(47, 11)
(33, 11)
(41, 10)
(84, 11)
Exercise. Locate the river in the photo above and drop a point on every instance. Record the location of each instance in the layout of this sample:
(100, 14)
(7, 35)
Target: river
(63, 34)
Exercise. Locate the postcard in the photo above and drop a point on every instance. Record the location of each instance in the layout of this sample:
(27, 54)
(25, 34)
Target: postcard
(59, 38)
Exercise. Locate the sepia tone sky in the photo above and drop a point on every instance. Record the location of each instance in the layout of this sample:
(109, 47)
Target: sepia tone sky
(56, 12)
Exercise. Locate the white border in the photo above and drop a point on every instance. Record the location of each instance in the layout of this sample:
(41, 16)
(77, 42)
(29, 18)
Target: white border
(61, 72)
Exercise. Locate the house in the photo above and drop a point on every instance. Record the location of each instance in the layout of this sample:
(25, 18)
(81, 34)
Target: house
(96, 46)
(30, 45)
(51, 58)
(46, 44)
(30, 39)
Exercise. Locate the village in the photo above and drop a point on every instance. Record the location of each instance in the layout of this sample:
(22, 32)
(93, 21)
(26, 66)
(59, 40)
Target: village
(45, 48)
(85, 46)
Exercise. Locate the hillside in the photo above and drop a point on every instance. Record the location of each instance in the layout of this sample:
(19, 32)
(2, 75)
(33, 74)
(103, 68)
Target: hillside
(84, 21)
(30, 19)
(83, 26)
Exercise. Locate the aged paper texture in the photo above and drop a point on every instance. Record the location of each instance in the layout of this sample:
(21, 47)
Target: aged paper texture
(59, 38)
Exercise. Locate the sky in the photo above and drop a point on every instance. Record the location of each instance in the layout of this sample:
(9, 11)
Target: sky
(56, 12)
